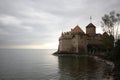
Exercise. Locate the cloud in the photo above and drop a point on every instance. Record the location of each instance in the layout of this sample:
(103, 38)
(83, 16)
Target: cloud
(39, 23)
(9, 20)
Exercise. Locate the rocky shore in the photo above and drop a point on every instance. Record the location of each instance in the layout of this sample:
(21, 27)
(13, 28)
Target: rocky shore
(109, 75)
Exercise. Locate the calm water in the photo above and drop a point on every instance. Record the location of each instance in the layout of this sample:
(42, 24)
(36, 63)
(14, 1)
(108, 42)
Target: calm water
(41, 65)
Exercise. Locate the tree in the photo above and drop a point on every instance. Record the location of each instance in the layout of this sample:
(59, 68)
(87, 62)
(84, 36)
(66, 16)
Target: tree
(111, 23)
(108, 42)
(116, 53)
(117, 47)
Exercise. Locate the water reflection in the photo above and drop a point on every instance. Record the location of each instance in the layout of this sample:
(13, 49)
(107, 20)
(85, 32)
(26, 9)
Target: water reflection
(80, 68)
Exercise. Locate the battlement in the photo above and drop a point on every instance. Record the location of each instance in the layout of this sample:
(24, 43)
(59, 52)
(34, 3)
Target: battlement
(65, 35)
(77, 40)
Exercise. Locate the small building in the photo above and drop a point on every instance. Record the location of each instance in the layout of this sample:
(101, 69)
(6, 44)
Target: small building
(77, 41)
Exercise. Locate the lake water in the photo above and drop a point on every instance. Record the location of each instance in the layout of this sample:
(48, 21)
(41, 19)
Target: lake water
(28, 64)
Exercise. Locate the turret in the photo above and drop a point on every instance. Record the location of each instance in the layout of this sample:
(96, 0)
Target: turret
(90, 29)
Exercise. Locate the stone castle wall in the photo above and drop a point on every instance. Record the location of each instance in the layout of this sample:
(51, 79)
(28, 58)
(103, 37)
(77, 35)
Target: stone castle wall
(65, 45)
(77, 41)
(76, 44)
(90, 30)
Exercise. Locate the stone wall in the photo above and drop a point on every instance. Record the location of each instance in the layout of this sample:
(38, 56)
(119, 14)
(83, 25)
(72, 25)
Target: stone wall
(65, 45)
(77, 41)
(90, 30)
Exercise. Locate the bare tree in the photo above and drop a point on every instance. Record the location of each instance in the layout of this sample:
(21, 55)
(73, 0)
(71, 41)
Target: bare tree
(111, 23)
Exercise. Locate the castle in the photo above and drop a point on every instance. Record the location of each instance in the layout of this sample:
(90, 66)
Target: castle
(77, 41)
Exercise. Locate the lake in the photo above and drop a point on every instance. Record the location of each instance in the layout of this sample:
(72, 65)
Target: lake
(37, 64)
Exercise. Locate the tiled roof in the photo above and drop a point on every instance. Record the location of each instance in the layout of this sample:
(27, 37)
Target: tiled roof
(77, 29)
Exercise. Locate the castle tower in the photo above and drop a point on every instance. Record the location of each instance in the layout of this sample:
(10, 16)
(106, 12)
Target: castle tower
(78, 39)
(90, 29)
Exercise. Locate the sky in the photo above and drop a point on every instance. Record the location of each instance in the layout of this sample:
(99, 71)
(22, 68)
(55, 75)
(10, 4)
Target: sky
(37, 24)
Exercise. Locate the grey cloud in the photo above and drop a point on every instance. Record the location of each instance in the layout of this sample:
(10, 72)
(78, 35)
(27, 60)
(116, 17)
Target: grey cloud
(25, 22)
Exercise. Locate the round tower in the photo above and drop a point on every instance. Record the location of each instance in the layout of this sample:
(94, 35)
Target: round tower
(90, 29)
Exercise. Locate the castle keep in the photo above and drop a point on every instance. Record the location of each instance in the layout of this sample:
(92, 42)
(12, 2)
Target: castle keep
(77, 41)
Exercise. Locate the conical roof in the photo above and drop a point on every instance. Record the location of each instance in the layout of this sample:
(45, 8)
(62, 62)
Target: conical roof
(77, 29)
(105, 34)
(90, 25)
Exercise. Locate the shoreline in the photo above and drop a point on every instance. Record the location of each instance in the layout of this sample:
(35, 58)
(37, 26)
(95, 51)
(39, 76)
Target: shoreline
(109, 75)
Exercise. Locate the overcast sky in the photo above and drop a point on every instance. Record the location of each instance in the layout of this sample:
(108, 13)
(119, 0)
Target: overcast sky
(39, 23)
